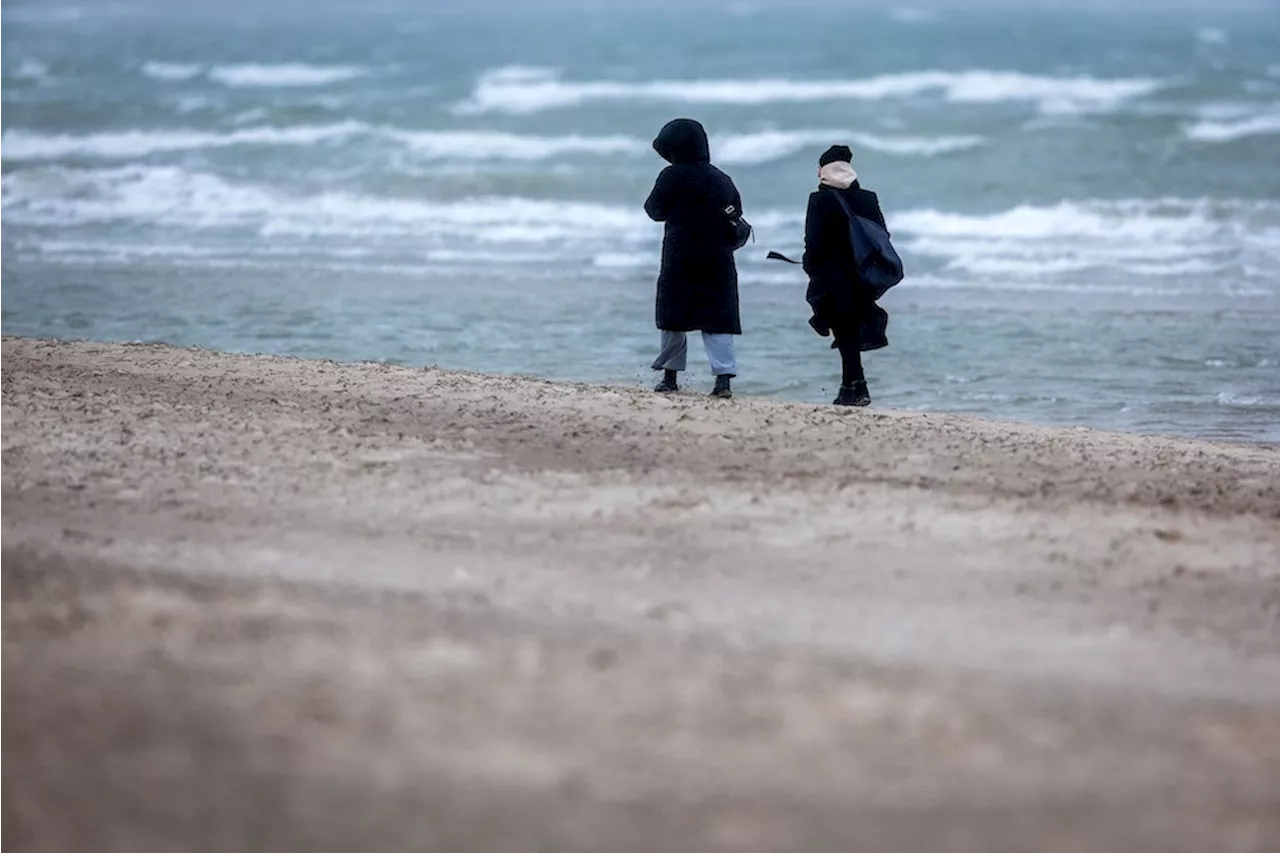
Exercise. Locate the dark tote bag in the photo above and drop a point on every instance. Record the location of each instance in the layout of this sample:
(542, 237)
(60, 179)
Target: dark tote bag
(879, 265)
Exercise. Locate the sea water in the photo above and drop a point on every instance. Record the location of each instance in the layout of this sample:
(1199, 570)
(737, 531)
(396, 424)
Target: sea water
(1087, 202)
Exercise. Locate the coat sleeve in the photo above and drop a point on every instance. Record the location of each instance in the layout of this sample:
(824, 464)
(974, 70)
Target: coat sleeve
(656, 204)
(813, 243)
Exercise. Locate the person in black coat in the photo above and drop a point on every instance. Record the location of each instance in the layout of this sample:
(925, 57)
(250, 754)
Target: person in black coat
(841, 303)
(698, 284)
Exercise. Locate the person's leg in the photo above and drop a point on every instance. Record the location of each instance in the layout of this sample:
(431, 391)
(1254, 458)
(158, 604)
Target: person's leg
(724, 361)
(853, 380)
(851, 370)
(673, 357)
(721, 354)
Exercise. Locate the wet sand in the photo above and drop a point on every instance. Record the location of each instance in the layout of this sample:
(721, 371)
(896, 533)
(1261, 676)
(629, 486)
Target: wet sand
(262, 603)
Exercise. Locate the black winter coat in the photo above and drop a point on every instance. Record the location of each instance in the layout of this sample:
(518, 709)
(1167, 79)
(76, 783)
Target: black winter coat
(698, 284)
(836, 294)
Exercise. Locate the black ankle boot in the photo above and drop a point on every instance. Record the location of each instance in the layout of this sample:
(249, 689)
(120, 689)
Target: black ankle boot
(668, 384)
(722, 389)
(853, 395)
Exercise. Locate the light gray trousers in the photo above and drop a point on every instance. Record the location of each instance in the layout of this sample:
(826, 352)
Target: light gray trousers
(675, 353)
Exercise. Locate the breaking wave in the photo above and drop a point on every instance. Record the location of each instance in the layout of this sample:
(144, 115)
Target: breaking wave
(767, 146)
(173, 197)
(31, 69)
(171, 71)
(529, 90)
(1158, 238)
(24, 145)
(455, 145)
(285, 74)
(1264, 124)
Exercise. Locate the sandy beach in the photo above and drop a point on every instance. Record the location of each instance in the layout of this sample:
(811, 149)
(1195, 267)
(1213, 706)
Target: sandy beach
(257, 603)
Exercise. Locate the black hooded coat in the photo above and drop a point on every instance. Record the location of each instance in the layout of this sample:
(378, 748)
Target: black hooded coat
(839, 299)
(698, 284)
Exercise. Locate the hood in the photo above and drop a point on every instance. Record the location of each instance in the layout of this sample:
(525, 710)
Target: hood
(683, 141)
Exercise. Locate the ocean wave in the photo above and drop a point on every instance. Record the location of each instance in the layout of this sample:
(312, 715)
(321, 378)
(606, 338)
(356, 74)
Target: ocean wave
(488, 145)
(284, 74)
(452, 145)
(31, 69)
(173, 197)
(1074, 285)
(1233, 399)
(623, 260)
(123, 250)
(471, 258)
(187, 104)
(770, 145)
(1069, 242)
(1266, 124)
(171, 71)
(909, 15)
(43, 15)
(1212, 35)
(524, 90)
(20, 145)
(1138, 237)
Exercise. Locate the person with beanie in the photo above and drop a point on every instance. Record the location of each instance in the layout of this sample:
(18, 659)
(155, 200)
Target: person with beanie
(698, 282)
(842, 305)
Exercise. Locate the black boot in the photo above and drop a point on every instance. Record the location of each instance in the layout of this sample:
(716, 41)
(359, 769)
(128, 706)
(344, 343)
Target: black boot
(853, 395)
(722, 389)
(668, 384)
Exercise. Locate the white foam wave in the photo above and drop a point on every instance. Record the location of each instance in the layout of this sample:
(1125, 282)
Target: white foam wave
(463, 144)
(1226, 110)
(908, 15)
(172, 197)
(107, 247)
(1212, 35)
(30, 69)
(284, 74)
(1075, 284)
(454, 145)
(21, 145)
(1267, 124)
(522, 92)
(470, 258)
(1235, 399)
(1072, 243)
(187, 104)
(622, 260)
(767, 146)
(171, 71)
(1138, 238)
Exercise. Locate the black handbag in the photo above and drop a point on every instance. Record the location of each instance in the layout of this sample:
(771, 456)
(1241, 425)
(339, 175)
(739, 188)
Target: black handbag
(740, 229)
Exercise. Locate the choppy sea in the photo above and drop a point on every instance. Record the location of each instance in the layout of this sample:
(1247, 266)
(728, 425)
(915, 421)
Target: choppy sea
(1088, 202)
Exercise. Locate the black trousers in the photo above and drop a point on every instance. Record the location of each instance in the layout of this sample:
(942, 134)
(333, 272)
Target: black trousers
(849, 343)
(850, 360)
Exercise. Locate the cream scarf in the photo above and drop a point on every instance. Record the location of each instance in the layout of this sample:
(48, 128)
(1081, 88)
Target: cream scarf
(838, 174)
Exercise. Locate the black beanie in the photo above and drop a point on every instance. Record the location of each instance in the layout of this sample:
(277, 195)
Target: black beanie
(836, 154)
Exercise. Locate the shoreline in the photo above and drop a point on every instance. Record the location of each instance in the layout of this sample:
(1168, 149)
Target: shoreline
(687, 393)
(592, 617)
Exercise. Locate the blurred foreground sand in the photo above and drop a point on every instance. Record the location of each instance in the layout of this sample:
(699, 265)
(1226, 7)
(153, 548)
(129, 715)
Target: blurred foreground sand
(269, 604)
